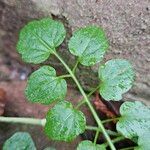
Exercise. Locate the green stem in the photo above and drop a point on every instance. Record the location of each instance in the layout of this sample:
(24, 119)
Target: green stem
(113, 133)
(92, 128)
(100, 125)
(65, 76)
(93, 91)
(81, 102)
(23, 120)
(128, 148)
(118, 139)
(109, 120)
(115, 140)
(96, 136)
(108, 131)
(76, 64)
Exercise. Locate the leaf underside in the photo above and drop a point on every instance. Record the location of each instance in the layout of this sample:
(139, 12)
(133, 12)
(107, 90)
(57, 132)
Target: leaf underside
(89, 44)
(63, 123)
(38, 39)
(19, 141)
(116, 78)
(135, 119)
(45, 87)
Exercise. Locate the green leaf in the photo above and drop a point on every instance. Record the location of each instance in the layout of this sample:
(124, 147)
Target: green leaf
(38, 39)
(88, 145)
(144, 141)
(45, 87)
(116, 77)
(89, 44)
(19, 141)
(135, 119)
(64, 123)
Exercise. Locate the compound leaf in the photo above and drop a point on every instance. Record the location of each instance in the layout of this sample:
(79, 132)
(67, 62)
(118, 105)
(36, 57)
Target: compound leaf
(19, 141)
(89, 44)
(38, 39)
(64, 123)
(116, 77)
(88, 145)
(45, 87)
(135, 119)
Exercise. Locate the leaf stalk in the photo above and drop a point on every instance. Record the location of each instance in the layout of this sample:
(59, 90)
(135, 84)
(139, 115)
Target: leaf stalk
(100, 125)
(109, 120)
(22, 120)
(113, 133)
(83, 101)
(120, 138)
(76, 64)
(64, 76)
(96, 136)
(129, 148)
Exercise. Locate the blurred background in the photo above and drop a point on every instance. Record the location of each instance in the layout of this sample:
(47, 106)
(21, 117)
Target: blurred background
(127, 25)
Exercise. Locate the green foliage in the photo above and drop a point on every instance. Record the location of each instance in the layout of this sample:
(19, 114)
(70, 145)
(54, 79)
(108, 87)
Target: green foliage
(135, 119)
(89, 44)
(19, 141)
(64, 123)
(45, 87)
(38, 39)
(116, 78)
(88, 145)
